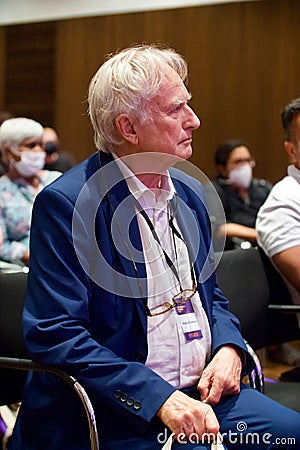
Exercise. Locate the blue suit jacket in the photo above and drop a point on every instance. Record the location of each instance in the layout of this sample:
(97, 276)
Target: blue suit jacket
(84, 312)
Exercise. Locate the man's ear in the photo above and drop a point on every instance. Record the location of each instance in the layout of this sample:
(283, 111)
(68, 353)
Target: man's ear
(290, 149)
(125, 126)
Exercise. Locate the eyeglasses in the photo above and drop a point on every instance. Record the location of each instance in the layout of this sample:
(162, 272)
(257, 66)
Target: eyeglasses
(242, 161)
(177, 300)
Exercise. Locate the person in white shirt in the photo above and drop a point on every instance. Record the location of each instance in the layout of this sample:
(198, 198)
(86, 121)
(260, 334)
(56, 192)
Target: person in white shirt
(278, 220)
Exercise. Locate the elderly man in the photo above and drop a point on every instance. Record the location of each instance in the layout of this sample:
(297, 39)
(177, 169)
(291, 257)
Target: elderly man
(122, 291)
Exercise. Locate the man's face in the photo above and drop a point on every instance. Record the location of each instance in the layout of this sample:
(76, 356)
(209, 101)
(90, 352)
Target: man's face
(173, 121)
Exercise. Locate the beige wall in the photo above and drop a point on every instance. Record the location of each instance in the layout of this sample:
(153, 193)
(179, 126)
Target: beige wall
(244, 66)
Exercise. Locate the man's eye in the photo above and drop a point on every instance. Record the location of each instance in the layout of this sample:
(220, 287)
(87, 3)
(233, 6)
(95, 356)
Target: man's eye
(177, 108)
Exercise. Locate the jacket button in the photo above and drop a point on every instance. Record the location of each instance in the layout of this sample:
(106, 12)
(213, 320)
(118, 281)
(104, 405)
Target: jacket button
(117, 394)
(123, 397)
(130, 401)
(139, 357)
(137, 405)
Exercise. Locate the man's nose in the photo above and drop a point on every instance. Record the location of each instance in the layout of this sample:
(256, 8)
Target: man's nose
(192, 118)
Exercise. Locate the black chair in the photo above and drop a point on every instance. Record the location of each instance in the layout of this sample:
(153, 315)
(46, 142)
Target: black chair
(14, 362)
(256, 291)
(256, 294)
(281, 301)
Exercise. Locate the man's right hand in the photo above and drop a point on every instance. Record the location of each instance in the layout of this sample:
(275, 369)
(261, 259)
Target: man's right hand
(187, 417)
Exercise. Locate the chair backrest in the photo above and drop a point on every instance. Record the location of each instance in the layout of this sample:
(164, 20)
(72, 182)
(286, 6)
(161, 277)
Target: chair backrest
(12, 294)
(250, 282)
(14, 361)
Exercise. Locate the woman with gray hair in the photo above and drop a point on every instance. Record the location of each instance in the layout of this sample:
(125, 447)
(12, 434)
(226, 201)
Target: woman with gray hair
(20, 143)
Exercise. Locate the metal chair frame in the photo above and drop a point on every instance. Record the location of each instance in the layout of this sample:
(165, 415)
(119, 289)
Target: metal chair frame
(27, 364)
(13, 355)
(256, 376)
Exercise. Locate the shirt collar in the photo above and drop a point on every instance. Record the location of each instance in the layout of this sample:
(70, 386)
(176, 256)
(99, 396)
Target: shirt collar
(141, 192)
(294, 172)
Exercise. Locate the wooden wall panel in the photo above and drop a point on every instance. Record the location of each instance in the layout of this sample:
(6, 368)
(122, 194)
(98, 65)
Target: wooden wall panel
(2, 68)
(244, 66)
(30, 71)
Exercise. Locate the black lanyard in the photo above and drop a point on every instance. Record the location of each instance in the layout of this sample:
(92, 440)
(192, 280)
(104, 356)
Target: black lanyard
(174, 231)
(167, 257)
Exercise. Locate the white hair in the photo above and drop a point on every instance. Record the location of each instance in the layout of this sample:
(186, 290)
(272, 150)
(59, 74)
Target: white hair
(16, 130)
(125, 84)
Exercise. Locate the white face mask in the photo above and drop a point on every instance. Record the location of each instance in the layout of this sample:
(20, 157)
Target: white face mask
(30, 163)
(241, 177)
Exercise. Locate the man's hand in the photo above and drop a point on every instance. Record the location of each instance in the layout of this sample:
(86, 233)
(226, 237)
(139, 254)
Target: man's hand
(222, 376)
(186, 416)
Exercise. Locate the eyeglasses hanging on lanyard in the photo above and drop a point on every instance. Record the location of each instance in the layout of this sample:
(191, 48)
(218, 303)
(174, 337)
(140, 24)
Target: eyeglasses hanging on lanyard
(185, 294)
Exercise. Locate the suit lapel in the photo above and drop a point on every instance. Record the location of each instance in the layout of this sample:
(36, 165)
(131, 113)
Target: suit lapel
(189, 223)
(125, 236)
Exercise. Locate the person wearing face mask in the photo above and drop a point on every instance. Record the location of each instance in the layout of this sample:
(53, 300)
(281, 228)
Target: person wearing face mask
(240, 194)
(55, 159)
(21, 147)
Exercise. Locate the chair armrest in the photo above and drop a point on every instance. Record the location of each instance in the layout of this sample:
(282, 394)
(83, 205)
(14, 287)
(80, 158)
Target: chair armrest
(27, 364)
(288, 309)
(256, 377)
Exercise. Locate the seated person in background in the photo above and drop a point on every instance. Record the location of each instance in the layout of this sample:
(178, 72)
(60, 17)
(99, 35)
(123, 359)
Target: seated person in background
(278, 220)
(21, 145)
(122, 290)
(241, 194)
(55, 159)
